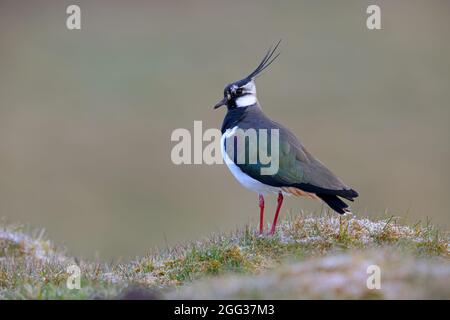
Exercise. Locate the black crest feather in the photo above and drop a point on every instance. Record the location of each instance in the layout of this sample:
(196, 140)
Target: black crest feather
(266, 61)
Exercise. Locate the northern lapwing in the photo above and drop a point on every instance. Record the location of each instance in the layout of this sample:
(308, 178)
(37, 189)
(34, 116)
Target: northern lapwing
(299, 172)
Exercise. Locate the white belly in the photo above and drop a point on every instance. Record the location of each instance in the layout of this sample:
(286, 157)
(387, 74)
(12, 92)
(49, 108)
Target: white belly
(243, 178)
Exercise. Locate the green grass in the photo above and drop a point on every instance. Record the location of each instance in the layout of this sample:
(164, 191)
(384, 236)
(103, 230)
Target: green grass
(324, 256)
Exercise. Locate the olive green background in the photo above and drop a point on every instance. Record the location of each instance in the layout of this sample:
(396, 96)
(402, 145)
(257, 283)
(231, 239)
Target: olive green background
(86, 116)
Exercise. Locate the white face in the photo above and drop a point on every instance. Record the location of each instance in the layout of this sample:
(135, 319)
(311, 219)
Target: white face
(248, 96)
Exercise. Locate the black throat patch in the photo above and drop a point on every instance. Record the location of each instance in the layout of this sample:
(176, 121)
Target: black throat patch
(232, 118)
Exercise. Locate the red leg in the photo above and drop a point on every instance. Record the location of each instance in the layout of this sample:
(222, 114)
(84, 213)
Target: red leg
(280, 202)
(261, 213)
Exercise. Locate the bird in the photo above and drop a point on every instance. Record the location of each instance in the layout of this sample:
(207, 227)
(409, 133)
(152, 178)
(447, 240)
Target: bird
(299, 172)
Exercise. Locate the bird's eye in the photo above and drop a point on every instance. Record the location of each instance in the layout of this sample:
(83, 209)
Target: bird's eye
(239, 91)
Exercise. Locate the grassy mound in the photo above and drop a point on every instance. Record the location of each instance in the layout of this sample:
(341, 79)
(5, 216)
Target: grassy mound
(309, 257)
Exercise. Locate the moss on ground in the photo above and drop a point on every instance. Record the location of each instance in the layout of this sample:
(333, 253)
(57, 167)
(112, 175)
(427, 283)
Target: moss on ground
(308, 257)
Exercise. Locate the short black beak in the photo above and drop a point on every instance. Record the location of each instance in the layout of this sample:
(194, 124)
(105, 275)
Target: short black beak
(221, 103)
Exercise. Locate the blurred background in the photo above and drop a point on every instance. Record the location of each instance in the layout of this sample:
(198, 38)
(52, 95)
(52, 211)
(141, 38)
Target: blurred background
(86, 116)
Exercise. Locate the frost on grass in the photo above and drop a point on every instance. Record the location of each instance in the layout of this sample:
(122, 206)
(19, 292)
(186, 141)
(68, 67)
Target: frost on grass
(18, 244)
(342, 276)
(297, 239)
(31, 267)
(329, 247)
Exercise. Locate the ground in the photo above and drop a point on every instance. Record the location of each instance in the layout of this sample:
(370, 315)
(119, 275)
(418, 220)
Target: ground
(310, 256)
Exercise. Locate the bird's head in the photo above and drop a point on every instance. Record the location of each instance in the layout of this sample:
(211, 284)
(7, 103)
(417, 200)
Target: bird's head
(242, 93)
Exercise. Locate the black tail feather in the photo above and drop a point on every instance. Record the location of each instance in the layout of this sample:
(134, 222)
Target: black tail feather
(334, 202)
(348, 194)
